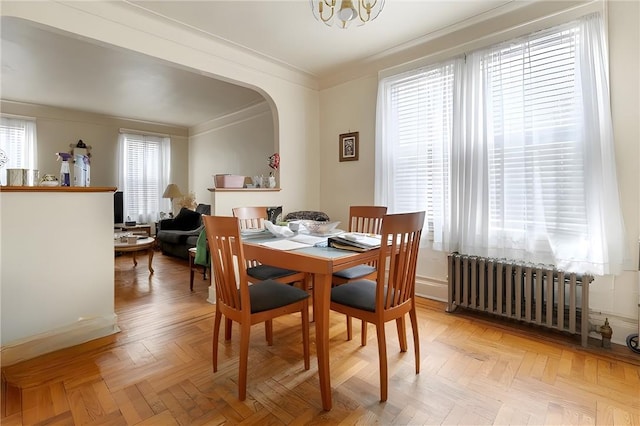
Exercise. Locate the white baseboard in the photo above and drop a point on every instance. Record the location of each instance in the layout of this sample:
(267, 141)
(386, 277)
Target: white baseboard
(431, 288)
(622, 327)
(84, 330)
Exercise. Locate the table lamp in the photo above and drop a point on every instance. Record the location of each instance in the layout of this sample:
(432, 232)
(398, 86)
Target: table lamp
(172, 191)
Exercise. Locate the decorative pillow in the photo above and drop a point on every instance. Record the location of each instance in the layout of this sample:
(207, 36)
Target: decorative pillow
(274, 214)
(204, 209)
(186, 220)
(307, 215)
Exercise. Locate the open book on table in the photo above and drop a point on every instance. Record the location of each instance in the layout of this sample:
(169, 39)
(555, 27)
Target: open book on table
(355, 241)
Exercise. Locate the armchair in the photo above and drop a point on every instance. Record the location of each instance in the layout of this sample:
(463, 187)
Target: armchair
(176, 236)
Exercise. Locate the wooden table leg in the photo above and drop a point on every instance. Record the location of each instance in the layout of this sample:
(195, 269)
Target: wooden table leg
(321, 301)
(150, 252)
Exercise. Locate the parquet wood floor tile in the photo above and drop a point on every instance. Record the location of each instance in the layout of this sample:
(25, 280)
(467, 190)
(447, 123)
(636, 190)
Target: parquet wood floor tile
(157, 371)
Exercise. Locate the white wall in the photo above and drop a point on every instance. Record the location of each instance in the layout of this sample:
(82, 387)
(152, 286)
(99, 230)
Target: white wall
(238, 145)
(351, 107)
(58, 128)
(56, 271)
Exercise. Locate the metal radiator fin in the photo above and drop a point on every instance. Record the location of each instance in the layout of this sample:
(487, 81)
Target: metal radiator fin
(537, 294)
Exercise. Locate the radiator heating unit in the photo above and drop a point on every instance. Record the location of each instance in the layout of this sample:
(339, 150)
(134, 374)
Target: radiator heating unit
(530, 293)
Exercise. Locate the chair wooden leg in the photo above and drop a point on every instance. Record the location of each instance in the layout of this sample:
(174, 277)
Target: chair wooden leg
(191, 272)
(382, 359)
(268, 332)
(305, 335)
(349, 328)
(216, 334)
(227, 329)
(245, 330)
(363, 334)
(416, 339)
(402, 333)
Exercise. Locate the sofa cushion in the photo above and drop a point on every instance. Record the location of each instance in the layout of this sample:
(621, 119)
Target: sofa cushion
(186, 220)
(191, 240)
(204, 209)
(172, 236)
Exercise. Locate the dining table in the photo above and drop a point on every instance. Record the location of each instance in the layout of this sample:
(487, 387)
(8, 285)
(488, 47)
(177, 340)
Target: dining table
(321, 263)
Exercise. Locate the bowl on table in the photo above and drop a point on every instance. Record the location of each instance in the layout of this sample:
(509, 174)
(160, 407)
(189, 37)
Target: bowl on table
(319, 227)
(294, 225)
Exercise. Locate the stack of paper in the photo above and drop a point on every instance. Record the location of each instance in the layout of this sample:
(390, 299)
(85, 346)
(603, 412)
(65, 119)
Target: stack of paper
(355, 241)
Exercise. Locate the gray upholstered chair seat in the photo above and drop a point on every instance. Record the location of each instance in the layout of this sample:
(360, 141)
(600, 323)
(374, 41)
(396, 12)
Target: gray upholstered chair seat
(267, 295)
(359, 294)
(355, 272)
(267, 272)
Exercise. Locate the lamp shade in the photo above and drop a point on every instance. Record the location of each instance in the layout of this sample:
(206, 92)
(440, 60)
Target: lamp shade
(172, 191)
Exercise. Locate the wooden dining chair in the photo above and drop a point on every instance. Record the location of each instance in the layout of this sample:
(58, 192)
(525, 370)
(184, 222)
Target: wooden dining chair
(254, 218)
(366, 219)
(245, 303)
(392, 295)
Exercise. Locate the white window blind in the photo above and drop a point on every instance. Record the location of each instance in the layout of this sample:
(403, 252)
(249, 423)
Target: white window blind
(535, 157)
(421, 105)
(18, 140)
(144, 174)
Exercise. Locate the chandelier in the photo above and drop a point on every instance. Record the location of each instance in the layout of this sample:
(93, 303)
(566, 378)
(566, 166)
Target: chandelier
(342, 13)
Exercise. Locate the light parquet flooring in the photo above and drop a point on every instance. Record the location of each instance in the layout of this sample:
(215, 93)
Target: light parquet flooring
(157, 371)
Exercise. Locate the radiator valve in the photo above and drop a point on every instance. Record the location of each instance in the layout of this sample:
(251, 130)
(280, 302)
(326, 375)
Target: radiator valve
(606, 332)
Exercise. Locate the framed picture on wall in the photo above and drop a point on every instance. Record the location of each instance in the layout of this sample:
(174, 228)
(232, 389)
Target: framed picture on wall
(348, 145)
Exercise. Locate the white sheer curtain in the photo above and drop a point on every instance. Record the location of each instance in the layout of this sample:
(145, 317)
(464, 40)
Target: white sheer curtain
(528, 160)
(144, 173)
(605, 239)
(534, 172)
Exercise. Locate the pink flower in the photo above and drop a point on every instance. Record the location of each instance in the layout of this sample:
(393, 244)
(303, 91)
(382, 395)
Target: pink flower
(274, 161)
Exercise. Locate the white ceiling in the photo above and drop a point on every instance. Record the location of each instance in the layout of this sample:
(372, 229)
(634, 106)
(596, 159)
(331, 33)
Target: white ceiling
(51, 68)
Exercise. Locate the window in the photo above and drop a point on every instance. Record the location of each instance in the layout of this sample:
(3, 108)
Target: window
(495, 147)
(419, 112)
(144, 173)
(18, 142)
(536, 173)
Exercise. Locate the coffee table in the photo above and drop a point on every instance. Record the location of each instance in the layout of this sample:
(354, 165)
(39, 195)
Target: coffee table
(141, 244)
(139, 228)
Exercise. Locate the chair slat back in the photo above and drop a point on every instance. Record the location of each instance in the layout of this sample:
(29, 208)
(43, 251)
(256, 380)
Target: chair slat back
(225, 245)
(399, 252)
(251, 217)
(367, 219)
